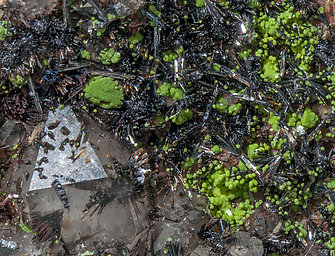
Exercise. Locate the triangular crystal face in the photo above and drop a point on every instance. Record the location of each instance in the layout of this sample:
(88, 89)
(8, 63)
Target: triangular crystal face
(62, 155)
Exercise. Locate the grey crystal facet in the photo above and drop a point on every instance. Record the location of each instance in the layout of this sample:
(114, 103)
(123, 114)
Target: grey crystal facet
(60, 157)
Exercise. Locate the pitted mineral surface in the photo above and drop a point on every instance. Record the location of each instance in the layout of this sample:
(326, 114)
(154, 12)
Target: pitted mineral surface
(63, 155)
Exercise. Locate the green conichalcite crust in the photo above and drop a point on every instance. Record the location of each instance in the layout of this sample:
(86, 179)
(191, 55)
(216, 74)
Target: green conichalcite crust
(3, 30)
(105, 92)
(227, 190)
(171, 90)
(85, 55)
(135, 38)
(288, 30)
(309, 118)
(184, 116)
(109, 56)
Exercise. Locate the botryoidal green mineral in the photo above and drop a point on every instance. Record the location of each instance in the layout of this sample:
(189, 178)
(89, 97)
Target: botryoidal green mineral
(109, 56)
(290, 30)
(104, 92)
(183, 117)
(171, 90)
(135, 38)
(3, 30)
(227, 190)
(309, 118)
